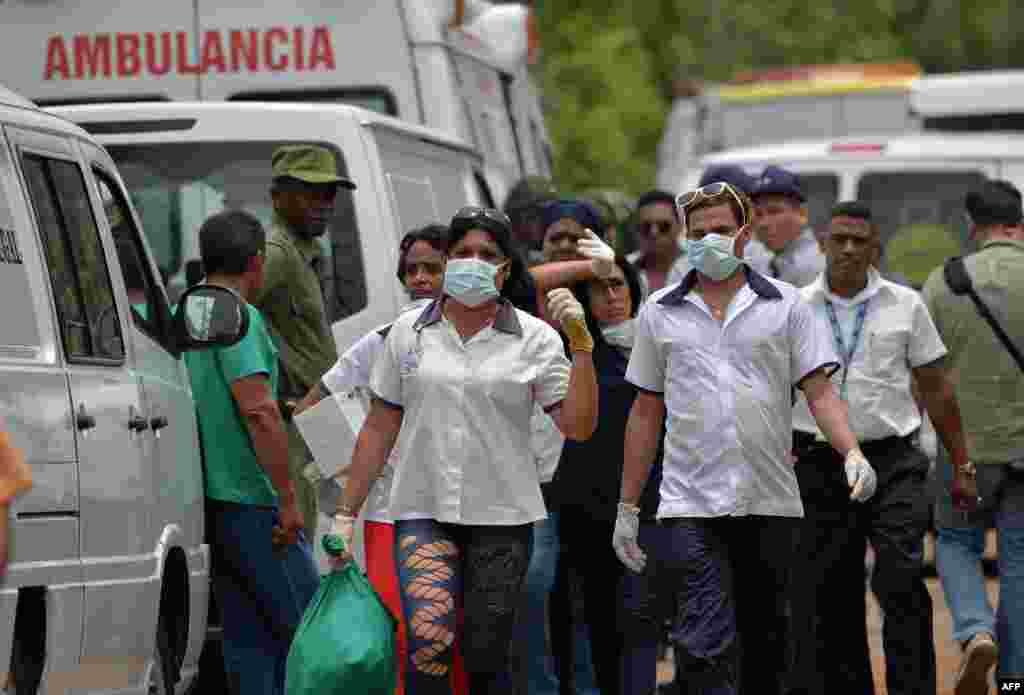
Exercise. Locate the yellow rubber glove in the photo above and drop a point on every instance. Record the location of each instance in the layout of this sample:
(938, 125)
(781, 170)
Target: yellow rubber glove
(566, 309)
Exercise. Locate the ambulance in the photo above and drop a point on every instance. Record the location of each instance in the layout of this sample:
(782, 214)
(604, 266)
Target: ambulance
(459, 66)
(778, 105)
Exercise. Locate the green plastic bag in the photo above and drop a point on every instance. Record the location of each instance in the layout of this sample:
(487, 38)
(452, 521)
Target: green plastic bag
(346, 640)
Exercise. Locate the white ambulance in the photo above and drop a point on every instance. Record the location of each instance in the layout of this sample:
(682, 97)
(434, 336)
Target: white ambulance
(460, 66)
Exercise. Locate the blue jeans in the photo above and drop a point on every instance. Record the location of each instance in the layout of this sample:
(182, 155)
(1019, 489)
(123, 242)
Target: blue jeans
(262, 590)
(646, 605)
(535, 658)
(960, 544)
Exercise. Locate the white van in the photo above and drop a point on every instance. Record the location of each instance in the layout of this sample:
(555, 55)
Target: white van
(915, 185)
(460, 66)
(108, 581)
(185, 161)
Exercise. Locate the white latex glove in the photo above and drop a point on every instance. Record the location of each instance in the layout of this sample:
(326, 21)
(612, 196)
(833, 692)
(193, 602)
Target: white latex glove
(860, 476)
(627, 526)
(601, 255)
(345, 527)
(564, 307)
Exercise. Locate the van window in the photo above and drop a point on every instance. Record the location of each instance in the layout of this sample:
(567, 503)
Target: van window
(177, 186)
(90, 328)
(143, 295)
(822, 191)
(379, 99)
(21, 328)
(920, 216)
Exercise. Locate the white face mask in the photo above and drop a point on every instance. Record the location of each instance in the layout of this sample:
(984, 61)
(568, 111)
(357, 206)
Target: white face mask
(470, 281)
(620, 334)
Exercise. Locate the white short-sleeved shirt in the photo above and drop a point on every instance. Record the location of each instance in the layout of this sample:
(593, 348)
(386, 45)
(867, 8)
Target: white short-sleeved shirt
(898, 335)
(728, 394)
(465, 451)
(351, 375)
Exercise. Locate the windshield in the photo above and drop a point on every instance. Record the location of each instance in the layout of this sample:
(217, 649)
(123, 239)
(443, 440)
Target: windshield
(822, 193)
(921, 219)
(175, 187)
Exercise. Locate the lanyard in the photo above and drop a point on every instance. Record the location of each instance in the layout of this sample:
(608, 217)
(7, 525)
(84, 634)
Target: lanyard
(846, 354)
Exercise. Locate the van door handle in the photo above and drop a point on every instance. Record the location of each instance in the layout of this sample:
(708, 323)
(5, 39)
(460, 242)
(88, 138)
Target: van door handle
(158, 423)
(83, 420)
(137, 423)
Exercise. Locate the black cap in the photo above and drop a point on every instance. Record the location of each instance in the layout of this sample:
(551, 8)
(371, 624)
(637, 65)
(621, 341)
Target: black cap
(778, 181)
(733, 175)
(995, 202)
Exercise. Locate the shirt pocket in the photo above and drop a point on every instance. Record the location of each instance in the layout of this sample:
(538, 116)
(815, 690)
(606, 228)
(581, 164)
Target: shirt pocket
(886, 354)
(691, 383)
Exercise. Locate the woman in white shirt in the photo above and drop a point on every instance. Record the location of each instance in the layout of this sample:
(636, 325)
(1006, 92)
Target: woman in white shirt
(421, 260)
(455, 386)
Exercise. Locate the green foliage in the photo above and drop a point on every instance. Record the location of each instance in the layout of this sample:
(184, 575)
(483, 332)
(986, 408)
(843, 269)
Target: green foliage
(608, 68)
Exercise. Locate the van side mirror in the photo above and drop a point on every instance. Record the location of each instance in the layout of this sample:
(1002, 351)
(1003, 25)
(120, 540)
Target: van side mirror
(209, 316)
(193, 272)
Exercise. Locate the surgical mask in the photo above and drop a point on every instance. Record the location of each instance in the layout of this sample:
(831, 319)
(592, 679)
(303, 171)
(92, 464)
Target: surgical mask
(713, 255)
(470, 281)
(620, 334)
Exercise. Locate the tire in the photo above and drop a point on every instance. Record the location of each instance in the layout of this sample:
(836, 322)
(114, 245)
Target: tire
(164, 674)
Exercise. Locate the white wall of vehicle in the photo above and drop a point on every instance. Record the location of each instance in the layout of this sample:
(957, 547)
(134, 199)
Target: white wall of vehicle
(36, 410)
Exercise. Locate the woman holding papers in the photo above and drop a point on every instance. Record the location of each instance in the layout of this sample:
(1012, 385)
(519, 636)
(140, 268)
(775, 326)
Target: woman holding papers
(421, 263)
(455, 387)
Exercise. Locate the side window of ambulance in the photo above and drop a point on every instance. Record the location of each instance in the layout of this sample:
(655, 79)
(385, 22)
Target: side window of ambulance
(90, 328)
(143, 295)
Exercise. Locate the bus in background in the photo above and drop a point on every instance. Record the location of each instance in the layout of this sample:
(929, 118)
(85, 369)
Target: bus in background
(778, 105)
(459, 66)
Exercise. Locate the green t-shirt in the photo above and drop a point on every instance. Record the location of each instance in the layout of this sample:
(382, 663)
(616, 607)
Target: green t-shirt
(233, 474)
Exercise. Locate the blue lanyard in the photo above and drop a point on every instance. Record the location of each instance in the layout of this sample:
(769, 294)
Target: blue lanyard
(846, 354)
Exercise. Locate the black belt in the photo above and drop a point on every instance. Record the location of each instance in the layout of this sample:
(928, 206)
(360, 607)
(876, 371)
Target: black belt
(805, 441)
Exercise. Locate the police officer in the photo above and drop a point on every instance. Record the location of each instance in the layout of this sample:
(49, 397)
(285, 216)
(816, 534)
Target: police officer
(785, 247)
(305, 185)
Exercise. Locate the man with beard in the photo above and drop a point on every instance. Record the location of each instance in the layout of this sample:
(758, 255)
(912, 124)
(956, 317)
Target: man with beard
(304, 188)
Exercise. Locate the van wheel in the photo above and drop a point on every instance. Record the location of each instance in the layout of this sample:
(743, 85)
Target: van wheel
(163, 675)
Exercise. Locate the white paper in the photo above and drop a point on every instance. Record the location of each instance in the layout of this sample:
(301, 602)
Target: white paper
(330, 429)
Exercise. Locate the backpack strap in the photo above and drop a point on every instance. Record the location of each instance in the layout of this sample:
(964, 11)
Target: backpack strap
(959, 281)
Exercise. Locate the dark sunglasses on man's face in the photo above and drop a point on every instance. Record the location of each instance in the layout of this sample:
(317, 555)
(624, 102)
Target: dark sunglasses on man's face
(473, 216)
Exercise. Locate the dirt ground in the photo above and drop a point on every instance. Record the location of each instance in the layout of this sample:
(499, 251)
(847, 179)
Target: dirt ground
(946, 651)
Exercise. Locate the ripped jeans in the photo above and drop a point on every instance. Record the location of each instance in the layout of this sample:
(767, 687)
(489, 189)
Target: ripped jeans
(481, 567)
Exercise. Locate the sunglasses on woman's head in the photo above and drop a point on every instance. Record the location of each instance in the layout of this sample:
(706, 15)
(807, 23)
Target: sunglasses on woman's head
(472, 216)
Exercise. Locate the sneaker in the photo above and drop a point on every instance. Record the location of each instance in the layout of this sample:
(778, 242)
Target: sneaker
(980, 656)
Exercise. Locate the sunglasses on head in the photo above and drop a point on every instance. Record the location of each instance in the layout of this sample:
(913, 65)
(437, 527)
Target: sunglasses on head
(713, 190)
(473, 216)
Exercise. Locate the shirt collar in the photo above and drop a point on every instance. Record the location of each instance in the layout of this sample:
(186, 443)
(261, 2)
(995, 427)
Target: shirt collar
(505, 321)
(1019, 245)
(820, 289)
(310, 248)
(758, 283)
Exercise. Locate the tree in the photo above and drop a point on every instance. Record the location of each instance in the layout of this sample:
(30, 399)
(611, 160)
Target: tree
(608, 68)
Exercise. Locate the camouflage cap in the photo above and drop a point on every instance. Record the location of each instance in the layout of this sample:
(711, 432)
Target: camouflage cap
(308, 163)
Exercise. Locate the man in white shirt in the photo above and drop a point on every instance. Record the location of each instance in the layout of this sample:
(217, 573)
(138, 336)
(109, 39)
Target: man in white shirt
(885, 338)
(786, 247)
(716, 358)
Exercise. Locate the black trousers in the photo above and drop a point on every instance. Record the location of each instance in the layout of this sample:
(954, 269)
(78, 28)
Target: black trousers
(588, 555)
(830, 648)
